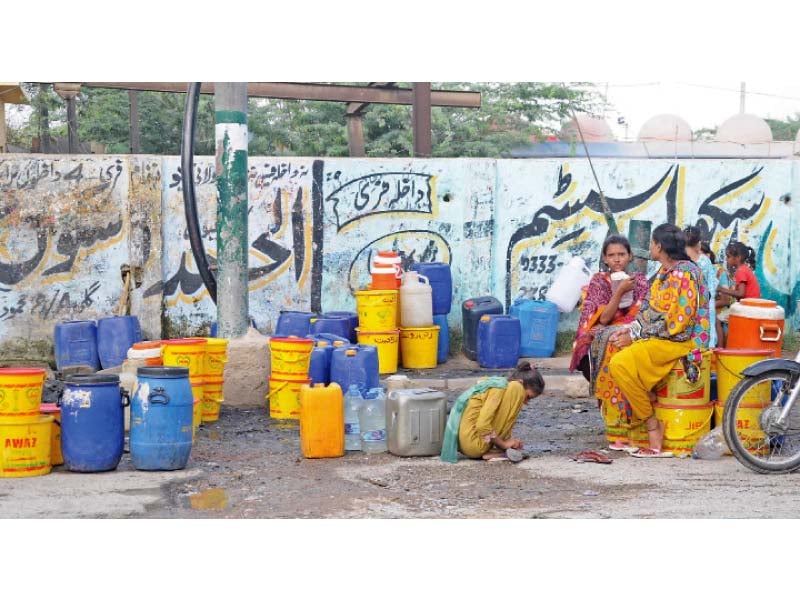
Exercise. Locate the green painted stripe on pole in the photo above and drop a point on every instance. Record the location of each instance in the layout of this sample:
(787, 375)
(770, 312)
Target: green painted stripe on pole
(231, 116)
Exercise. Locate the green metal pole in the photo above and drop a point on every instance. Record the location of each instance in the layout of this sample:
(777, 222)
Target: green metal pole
(231, 136)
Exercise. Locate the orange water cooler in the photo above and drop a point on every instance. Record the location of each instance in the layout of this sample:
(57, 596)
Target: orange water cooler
(756, 323)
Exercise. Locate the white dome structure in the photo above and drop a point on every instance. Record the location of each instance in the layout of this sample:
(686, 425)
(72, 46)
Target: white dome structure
(744, 129)
(593, 129)
(665, 128)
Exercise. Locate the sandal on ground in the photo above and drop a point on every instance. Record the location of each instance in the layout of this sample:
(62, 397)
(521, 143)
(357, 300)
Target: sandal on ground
(651, 453)
(623, 447)
(593, 456)
(497, 459)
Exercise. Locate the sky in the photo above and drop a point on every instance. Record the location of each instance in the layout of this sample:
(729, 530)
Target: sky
(702, 103)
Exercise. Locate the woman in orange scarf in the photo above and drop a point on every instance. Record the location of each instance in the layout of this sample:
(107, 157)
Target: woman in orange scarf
(605, 308)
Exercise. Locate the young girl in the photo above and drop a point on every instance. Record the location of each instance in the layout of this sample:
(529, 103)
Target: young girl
(721, 302)
(742, 259)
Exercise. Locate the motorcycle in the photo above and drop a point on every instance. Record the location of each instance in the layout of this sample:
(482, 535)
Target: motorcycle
(761, 420)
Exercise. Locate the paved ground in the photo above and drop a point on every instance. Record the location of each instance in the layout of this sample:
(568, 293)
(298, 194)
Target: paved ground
(247, 466)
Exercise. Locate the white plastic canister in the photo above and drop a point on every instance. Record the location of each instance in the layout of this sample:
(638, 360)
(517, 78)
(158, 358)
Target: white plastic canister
(566, 289)
(416, 301)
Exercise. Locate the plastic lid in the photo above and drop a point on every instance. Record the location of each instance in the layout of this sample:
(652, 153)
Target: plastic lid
(760, 302)
(49, 408)
(163, 372)
(183, 341)
(92, 379)
(469, 304)
(147, 345)
(486, 318)
(321, 344)
(350, 352)
(338, 343)
(388, 253)
(22, 371)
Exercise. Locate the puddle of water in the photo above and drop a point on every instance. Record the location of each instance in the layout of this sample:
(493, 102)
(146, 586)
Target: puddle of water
(211, 499)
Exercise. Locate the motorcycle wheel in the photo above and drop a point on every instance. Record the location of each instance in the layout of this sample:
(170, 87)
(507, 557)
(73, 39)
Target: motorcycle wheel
(748, 423)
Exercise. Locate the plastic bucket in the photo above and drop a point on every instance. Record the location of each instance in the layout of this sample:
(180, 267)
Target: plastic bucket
(730, 364)
(188, 353)
(616, 425)
(198, 395)
(290, 358)
(284, 398)
(676, 389)
(212, 397)
(377, 309)
(419, 347)
(92, 422)
(56, 458)
(685, 424)
(20, 394)
(161, 419)
(149, 352)
(387, 343)
(25, 447)
(215, 357)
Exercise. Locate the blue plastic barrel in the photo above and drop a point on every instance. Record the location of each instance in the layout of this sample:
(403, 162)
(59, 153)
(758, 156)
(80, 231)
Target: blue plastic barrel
(441, 282)
(443, 349)
(356, 364)
(293, 322)
(498, 341)
(76, 345)
(161, 419)
(336, 325)
(471, 312)
(539, 322)
(352, 317)
(92, 422)
(115, 336)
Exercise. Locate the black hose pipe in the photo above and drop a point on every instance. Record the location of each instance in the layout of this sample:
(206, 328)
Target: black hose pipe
(189, 201)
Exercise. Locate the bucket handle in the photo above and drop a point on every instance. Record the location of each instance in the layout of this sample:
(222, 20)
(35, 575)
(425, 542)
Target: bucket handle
(762, 329)
(680, 439)
(158, 392)
(276, 390)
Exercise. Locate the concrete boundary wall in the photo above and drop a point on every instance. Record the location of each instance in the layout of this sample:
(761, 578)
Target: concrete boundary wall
(70, 224)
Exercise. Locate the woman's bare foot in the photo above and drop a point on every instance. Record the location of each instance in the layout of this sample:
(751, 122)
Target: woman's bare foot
(491, 455)
(655, 432)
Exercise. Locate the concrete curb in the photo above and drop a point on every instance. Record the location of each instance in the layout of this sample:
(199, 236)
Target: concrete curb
(551, 382)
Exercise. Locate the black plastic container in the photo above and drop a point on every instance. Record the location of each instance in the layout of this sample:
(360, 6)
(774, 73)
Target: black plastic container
(472, 310)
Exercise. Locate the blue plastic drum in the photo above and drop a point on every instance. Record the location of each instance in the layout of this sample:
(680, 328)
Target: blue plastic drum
(161, 419)
(92, 422)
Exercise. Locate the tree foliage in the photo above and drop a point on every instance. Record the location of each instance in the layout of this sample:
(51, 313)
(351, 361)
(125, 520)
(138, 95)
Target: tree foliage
(510, 114)
(785, 131)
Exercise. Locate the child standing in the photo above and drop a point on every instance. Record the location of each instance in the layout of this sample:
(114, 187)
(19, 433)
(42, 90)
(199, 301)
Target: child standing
(741, 259)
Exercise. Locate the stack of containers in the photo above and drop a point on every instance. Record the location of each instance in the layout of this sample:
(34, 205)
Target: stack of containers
(25, 433)
(441, 282)
(419, 337)
(290, 359)
(378, 309)
(213, 377)
(319, 369)
(141, 354)
(189, 353)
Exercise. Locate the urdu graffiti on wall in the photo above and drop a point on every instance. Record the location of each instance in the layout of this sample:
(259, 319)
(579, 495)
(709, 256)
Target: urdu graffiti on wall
(279, 198)
(46, 236)
(576, 226)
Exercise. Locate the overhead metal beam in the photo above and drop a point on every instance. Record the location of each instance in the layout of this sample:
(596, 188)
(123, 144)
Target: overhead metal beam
(357, 108)
(313, 91)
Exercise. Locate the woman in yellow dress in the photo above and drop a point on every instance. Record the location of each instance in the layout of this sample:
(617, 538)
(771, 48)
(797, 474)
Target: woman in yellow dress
(672, 325)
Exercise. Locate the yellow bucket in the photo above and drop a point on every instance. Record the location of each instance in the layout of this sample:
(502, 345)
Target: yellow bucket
(730, 364)
(185, 352)
(685, 424)
(387, 343)
(676, 389)
(290, 358)
(215, 357)
(419, 346)
(212, 397)
(20, 394)
(25, 447)
(284, 398)
(198, 392)
(377, 309)
(56, 458)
